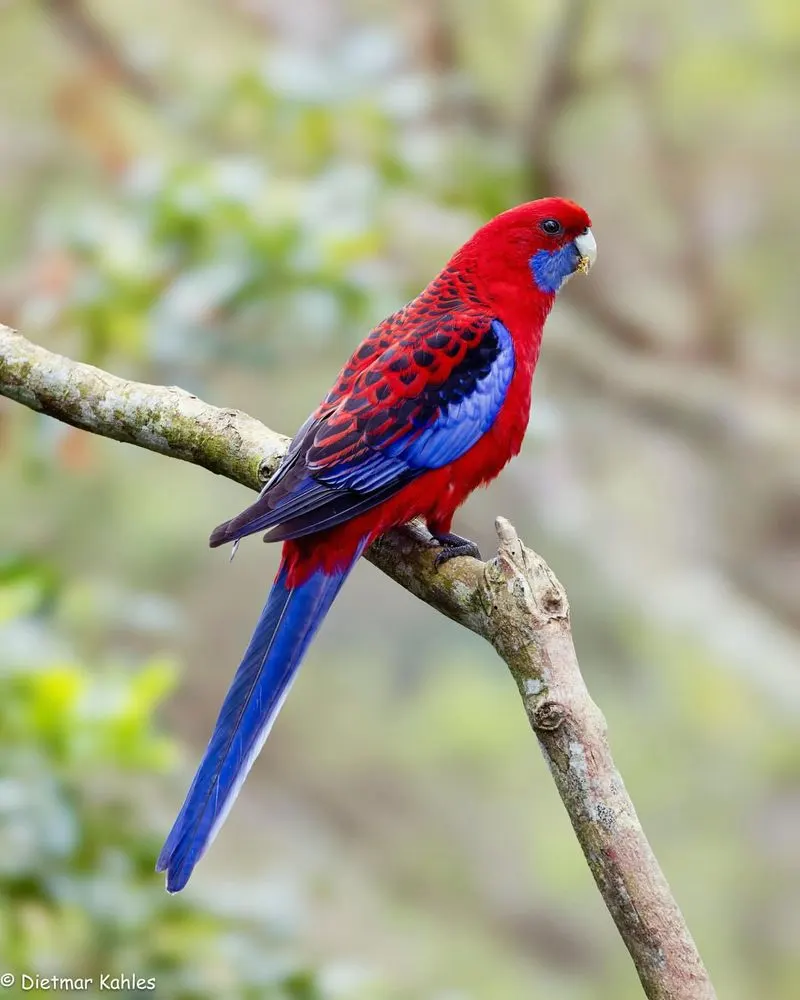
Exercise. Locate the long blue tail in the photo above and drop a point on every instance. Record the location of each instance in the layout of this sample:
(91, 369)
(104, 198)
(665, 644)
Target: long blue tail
(287, 625)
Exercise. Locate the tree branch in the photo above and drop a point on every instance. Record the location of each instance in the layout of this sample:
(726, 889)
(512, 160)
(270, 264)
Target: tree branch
(99, 47)
(514, 601)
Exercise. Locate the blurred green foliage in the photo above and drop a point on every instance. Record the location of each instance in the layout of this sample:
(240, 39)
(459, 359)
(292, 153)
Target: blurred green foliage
(79, 755)
(175, 264)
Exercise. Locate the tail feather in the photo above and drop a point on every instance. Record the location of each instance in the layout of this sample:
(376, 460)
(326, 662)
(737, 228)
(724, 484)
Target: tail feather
(287, 624)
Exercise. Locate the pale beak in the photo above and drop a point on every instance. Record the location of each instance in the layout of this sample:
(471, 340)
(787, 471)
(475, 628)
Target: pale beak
(586, 245)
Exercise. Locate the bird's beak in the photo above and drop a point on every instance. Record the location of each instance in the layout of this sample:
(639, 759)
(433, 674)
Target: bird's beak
(586, 245)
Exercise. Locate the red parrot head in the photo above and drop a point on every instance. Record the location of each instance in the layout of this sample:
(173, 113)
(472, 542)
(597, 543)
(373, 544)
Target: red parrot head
(539, 244)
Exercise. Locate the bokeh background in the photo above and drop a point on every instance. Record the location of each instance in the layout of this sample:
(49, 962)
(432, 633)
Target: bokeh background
(226, 195)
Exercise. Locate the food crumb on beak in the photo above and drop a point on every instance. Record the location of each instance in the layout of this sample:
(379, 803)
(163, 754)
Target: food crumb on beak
(587, 250)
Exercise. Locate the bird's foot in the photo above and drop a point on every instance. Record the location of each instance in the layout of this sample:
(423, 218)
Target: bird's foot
(418, 533)
(453, 546)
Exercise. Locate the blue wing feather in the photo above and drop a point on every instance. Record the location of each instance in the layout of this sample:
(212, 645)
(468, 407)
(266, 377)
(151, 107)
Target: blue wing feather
(366, 474)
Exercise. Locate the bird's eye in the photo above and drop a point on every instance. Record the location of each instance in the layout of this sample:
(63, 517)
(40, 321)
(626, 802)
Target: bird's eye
(551, 226)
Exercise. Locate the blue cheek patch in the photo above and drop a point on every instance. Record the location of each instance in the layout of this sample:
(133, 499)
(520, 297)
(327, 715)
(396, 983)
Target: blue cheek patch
(551, 268)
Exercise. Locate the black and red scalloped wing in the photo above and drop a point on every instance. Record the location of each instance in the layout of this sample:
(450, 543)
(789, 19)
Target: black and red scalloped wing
(398, 410)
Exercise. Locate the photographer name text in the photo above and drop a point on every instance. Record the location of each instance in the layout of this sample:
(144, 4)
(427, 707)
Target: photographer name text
(108, 981)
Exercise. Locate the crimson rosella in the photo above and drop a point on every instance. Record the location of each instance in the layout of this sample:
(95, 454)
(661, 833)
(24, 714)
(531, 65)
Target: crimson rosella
(432, 404)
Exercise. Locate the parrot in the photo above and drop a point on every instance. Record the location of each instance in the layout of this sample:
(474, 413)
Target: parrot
(432, 404)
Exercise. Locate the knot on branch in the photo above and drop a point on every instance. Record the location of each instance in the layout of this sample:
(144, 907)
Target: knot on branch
(266, 468)
(549, 715)
(553, 601)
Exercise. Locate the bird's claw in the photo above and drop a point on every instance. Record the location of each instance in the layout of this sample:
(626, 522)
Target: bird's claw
(454, 546)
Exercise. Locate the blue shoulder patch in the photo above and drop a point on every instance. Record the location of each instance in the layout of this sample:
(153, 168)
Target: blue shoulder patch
(551, 268)
(464, 416)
